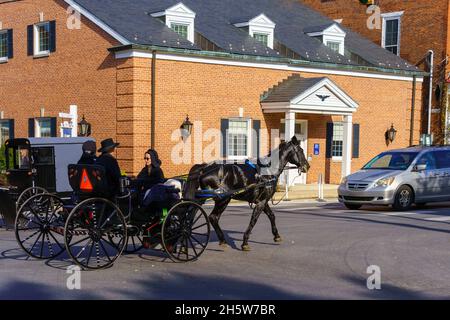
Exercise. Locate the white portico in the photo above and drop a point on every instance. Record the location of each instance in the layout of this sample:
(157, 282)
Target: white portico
(312, 96)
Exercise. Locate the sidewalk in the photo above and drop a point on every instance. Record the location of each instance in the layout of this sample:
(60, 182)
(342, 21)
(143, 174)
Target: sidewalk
(307, 191)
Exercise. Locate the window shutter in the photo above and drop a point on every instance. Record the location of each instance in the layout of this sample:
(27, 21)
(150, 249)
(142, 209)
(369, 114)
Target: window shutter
(329, 141)
(31, 127)
(224, 125)
(52, 36)
(10, 44)
(355, 152)
(256, 138)
(11, 129)
(30, 32)
(53, 127)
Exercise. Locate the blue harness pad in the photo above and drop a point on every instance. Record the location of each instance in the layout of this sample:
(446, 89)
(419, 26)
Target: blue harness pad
(249, 163)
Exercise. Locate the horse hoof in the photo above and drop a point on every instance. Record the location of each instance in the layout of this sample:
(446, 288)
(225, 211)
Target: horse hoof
(278, 239)
(246, 247)
(224, 245)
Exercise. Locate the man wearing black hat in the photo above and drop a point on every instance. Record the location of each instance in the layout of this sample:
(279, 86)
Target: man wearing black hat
(88, 156)
(110, 164)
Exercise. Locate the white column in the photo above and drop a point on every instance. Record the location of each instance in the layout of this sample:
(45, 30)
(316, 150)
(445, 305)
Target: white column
(289, 132)
(347, 147)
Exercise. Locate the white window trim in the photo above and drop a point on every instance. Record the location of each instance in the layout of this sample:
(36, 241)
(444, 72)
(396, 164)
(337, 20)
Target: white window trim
(179, 14)
(333, 36)
(336, 158)
(249, 140)
(5, 59)
(387, 17)
(37, 127)
(36, 51)
(260, 24)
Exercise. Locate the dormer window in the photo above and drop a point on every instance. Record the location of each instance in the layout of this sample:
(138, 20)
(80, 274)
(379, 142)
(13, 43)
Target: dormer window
(261, 28)
(180, 19)
(331, 35)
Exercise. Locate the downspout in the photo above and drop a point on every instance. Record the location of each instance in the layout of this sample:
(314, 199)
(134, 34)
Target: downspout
(430, 94)
(153, 104)
(411, 134)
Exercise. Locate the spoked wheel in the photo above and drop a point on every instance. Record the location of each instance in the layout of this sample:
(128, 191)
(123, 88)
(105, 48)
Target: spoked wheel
(27, 194)
(88, 232)
(134, 240)
(185, 232)
(39, 226)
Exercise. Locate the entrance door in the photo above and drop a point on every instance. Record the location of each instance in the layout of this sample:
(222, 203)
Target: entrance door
(301, 133)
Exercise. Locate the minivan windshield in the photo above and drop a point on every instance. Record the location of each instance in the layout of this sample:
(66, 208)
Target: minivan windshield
(391, 161)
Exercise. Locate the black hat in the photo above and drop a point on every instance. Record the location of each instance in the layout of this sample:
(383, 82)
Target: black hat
(89, 146)
(107, 145)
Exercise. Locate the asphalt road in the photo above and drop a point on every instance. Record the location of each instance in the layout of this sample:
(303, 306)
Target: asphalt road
(325, 255)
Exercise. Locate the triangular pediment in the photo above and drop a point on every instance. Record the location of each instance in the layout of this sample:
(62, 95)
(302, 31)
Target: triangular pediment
(334, 29)
(180, 8)
(262, 19)
(325, 94)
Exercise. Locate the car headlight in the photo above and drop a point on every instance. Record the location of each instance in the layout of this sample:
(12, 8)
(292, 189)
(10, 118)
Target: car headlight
(385, 182)
(344, 181)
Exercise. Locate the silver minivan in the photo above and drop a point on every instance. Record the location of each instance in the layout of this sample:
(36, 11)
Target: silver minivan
(401, 178)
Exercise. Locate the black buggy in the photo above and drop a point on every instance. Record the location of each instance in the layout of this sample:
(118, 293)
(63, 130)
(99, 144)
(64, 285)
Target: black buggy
(35, 166)
(95, 228)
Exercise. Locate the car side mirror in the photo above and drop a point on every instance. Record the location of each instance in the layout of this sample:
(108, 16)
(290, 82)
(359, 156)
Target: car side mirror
(420, 167)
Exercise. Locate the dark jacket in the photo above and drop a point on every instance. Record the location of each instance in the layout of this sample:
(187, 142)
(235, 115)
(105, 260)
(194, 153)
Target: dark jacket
(112, 171)
(148, 180)
(87, 158)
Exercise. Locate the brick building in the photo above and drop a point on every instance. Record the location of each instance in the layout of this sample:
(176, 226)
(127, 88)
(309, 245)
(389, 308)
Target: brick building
(244, 68)
(409, 29)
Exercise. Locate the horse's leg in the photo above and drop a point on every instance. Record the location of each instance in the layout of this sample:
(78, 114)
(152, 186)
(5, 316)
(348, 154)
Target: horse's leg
(271, 216)
(214, 218)
(255, 215)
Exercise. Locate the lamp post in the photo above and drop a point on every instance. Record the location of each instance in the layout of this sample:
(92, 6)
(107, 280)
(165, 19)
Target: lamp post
(391, 134)
(84, 128)
(186, 127)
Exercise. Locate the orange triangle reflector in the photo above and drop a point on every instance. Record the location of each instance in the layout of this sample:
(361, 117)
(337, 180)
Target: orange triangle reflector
(85, 184)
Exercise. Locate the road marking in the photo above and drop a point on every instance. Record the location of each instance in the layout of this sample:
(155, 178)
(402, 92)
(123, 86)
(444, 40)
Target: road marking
(438, 219)
(398, 213)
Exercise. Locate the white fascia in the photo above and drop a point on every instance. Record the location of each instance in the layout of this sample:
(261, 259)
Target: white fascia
(179, 14)
(260, 24)
(332, 34)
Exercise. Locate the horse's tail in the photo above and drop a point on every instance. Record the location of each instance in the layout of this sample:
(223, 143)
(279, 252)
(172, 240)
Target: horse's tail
(193, 182)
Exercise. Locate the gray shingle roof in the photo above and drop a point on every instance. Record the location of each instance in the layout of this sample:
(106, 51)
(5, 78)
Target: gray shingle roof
(214, 20)
(289, 88)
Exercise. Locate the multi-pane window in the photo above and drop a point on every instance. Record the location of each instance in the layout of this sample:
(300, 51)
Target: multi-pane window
(181, 29)
(338, 139)
(392, 35)
(3, 45)
(43, 128)
(238, 138)
(335, 46)
(261, 37)
(43, 38)
(4, 131)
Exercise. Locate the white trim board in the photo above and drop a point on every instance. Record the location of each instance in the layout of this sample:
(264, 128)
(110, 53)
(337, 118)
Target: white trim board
(98, 22)
(145, 54)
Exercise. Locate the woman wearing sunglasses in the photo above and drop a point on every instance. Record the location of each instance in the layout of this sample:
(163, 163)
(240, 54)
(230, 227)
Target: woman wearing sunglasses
(152, 173)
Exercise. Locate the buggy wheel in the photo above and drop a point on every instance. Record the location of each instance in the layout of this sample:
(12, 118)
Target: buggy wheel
(27, 194)
(88, 232)
(134, 240)
(39, 226)
(185, 232)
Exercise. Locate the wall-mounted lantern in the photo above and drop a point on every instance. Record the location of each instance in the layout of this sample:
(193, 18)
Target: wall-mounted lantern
(390, 134)
(186, 128)
(84, 128)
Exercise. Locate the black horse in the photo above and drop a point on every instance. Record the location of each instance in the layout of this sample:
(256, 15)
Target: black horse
(258, 187)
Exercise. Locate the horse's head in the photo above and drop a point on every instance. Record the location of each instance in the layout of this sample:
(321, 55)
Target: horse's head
(296, 155)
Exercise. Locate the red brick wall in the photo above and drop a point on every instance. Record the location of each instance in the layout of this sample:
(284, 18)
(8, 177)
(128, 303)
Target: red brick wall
(80, 72)
(424, 26)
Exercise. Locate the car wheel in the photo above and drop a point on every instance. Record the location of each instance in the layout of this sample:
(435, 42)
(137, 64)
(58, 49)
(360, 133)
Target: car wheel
(404, 198)
(353, 206)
